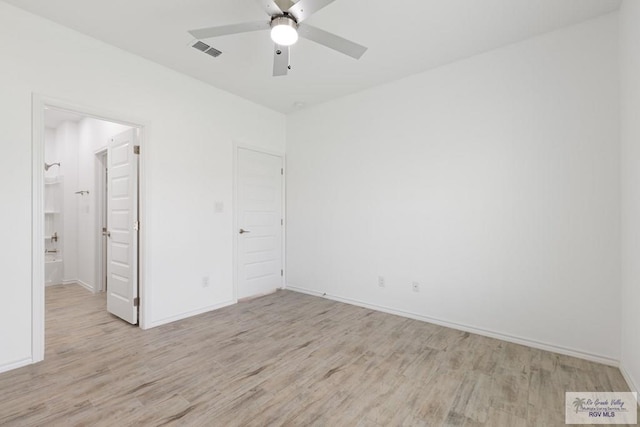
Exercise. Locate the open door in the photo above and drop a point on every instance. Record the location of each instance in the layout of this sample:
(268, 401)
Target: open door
(122, 234)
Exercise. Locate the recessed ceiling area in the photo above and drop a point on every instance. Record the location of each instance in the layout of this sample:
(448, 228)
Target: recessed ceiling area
(415, 36)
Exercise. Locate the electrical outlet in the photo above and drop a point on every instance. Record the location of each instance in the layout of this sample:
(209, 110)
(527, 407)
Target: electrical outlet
(205, 282)
(416, 286)
(381, 281)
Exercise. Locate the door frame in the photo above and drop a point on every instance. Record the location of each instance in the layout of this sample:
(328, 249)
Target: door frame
(39, 104)
(237, 146)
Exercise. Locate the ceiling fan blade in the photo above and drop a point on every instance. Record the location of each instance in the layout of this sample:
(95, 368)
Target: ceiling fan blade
(305, 8)
(270, 6)
(285, 4)
(332, 41)
(245, 27)
(281, 61)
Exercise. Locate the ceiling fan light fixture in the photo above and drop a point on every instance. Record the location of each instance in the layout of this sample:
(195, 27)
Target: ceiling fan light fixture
(284, 31)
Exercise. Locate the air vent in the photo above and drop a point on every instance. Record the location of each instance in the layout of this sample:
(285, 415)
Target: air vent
(203, 47)
(213, 52)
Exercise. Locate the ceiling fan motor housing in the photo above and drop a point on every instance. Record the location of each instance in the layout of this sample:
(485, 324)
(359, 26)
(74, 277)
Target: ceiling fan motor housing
(284, 20)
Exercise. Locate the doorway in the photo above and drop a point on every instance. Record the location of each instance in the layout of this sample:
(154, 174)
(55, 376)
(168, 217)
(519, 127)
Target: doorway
(102, 176)
(259, 222)
(86, 209)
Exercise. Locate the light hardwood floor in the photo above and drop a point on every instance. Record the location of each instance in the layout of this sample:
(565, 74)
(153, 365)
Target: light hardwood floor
(284, 359)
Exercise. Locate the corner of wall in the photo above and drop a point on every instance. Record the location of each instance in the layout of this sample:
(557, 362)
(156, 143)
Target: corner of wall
(629, 60)
(627, 377)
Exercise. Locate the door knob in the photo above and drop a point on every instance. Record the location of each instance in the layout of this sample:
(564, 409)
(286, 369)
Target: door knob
(242, 231)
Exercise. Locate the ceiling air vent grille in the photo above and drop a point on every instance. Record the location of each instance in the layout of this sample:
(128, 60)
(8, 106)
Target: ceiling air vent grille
(203, 47)
(213, 52)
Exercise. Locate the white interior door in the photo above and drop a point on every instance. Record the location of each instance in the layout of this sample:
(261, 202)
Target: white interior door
(259, 187)
(122, 220)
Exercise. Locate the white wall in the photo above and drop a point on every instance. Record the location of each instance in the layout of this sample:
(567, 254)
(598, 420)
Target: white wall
(53, 202)
(51, 152)
(67, 143)
(191, 127)
(630, 136)
(493, 182)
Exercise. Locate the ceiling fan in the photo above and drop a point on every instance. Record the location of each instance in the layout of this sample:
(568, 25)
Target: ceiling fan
(286, 26)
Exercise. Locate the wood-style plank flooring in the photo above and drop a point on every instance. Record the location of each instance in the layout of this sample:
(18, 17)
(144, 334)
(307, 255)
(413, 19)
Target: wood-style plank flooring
(284, 359)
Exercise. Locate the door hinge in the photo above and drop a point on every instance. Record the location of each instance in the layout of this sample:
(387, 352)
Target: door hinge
(282, 222)
(136, 302)
(136, 225)
(136, 149)
(281, 171)
(281, 272)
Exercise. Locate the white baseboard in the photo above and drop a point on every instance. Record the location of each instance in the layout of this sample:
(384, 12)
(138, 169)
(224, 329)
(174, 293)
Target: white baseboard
(187, 314)
(73, 282)
(629, 379)
(15, 365)
(466, 328)
(66, 282)
(85, 285)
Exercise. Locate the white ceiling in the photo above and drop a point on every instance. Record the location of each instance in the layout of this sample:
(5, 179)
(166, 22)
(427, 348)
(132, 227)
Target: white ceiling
(403, 38)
